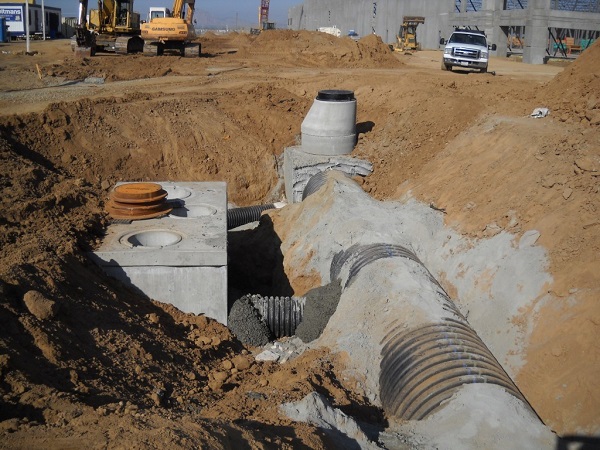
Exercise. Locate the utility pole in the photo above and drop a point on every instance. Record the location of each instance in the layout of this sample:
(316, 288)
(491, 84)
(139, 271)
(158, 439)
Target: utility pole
(27, 26)
(43, 21)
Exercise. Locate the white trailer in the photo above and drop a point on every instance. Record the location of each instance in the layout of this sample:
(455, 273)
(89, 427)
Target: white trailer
(14, 13)
(335, 31)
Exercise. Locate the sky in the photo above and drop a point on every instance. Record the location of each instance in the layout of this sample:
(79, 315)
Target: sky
(209, 13)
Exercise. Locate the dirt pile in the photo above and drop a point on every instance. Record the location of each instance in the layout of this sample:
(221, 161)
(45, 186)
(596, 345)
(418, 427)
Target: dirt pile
(574, 95)
(198, 131)
(81, 354)
(315, 49)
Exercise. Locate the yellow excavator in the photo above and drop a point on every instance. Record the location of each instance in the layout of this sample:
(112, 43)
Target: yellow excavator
(174, 33)
(407, 36)
(113, 27)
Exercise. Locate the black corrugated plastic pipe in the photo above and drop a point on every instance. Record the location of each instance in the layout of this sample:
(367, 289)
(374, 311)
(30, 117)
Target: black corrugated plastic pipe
(237, 217)
(281, 314)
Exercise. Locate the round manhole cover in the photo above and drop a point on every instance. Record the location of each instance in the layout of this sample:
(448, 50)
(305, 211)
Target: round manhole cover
(194, 211)
(151, 238)
(335, 95)
(177, 192)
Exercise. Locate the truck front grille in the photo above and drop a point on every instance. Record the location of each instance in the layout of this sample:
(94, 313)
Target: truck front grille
(465, 53)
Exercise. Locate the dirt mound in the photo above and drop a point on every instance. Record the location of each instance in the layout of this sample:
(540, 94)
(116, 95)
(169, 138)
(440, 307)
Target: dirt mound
(574, 94)
(81, 354)
(111, 67)
(91, 138)
(213, 43)
(316, 49)
(118, 68)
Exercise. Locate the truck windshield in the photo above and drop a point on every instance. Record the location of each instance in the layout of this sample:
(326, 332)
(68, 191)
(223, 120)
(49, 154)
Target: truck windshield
(473, 39)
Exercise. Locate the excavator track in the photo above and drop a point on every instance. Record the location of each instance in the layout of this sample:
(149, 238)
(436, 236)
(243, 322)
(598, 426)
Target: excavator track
(192, 50)
(155, 49)
(129, 44)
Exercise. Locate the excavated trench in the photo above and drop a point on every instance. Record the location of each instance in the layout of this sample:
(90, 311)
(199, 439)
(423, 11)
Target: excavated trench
(260, 292)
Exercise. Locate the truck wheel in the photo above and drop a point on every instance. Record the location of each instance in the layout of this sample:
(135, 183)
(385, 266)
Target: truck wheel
(446, 67)
(484, 70)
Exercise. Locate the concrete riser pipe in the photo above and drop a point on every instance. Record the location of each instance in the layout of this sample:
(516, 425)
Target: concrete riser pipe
(330, 125)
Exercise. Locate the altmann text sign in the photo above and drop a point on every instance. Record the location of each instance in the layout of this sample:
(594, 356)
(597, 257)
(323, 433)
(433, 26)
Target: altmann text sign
(11, 13)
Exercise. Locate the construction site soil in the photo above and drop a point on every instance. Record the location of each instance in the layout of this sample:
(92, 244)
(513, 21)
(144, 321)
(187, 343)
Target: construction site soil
(87, 362)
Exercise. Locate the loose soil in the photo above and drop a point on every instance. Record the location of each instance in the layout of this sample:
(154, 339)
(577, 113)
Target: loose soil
(85, 361)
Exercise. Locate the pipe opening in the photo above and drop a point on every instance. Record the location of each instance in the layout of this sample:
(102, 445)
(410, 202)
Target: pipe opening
(335, 95)
(258, 320)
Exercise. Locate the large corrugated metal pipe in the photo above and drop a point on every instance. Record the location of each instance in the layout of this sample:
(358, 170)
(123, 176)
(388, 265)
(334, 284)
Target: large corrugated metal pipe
(405, 341)
(257, 320)
(317, 181)
(424, 366)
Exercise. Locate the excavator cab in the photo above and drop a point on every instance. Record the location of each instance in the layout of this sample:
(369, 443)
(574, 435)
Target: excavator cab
(124, 9)
(114, 16)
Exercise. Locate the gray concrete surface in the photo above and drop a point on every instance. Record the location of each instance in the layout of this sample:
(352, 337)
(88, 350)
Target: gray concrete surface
(396, 294)
(329, 127)
(245, 322)
(341, 428)
(299, 167)
(180, 258)
(320, 305)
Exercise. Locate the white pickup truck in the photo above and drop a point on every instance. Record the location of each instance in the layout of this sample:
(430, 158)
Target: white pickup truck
(466, 49)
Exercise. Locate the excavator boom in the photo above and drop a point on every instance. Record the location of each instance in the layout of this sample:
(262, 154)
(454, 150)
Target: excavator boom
(178, 9)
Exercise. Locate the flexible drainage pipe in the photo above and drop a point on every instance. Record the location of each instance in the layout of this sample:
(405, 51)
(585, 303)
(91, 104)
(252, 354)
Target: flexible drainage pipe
(281, 314)
(237, 217)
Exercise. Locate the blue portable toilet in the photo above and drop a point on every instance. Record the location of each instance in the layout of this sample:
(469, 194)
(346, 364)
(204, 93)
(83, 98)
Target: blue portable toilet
(3, 30)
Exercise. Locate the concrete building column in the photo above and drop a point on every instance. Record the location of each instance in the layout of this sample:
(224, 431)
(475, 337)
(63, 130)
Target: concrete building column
(536, 31)
(495, 33)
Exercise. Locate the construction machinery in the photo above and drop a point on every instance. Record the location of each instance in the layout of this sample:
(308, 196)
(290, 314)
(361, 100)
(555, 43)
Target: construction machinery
(158, 11)
(113, 27)
(263, 16)
(407, 35)
(172, 34)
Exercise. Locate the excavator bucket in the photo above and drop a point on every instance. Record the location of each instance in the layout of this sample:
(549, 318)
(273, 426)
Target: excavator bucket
(83, 43)
(83, 52)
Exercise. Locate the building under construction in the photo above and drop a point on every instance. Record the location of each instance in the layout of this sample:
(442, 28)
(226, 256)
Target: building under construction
(536, 29)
